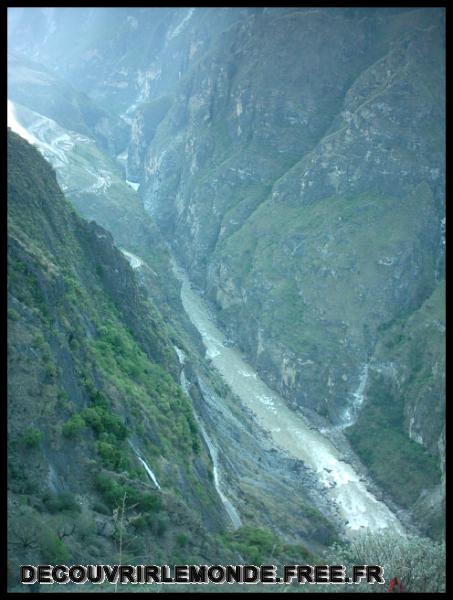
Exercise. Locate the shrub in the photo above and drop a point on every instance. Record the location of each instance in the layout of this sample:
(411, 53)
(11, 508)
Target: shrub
(101, 508)
(418, 562)
(50, 372)
(101, 420)
(111, 491)
(39, 341)
(32, 437)
(54, 550)
(73, 426)
(254, 544)
(297, 554)
(160, 524)
(182, 540)
(63, 502)
(150, 502)
(112, 457)
(139, 523)
(85, 530)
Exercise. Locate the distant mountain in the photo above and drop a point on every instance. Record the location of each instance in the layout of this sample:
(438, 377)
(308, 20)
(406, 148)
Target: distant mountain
(41, 90)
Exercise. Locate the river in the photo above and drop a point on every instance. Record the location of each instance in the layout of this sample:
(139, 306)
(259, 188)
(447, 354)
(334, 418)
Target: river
(289, 431)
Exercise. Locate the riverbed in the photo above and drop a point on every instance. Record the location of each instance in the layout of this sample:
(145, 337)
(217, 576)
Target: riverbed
(290, 432)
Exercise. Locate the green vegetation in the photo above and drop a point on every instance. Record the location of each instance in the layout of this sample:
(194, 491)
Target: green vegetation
(74, 426)
(182, 540)
(112, 456)
(90, 364)
(113, 492)
(399, 556)
(414, 345)
(254, 544)
(55, 549)
(104, 422)
(62, 502)
(398, 463)
(299, 275)
(306, 200)
(145, 385)
(32, 437)
(13, 314)
(259, 546)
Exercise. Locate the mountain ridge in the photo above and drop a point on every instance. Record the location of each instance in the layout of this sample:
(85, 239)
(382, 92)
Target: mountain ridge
(293, 161)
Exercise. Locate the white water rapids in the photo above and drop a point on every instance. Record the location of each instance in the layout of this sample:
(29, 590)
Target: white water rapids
(290, 432)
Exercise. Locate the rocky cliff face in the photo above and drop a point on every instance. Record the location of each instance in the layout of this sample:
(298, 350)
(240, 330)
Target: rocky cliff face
(294, 159)
(300, 173)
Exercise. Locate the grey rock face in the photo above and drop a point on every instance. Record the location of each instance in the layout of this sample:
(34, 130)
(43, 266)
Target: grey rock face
(294, 159)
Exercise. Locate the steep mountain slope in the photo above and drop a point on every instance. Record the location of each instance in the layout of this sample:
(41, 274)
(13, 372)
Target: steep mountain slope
(47, 116)
(92, 394)
(79, 163)
(95, 184)
(404, 412)
(285, 242)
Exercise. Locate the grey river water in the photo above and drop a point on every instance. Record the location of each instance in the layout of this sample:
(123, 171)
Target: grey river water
(289, 431)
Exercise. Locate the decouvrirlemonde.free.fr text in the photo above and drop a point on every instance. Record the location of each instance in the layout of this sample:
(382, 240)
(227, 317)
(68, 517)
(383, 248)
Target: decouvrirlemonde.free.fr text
(199, 574)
